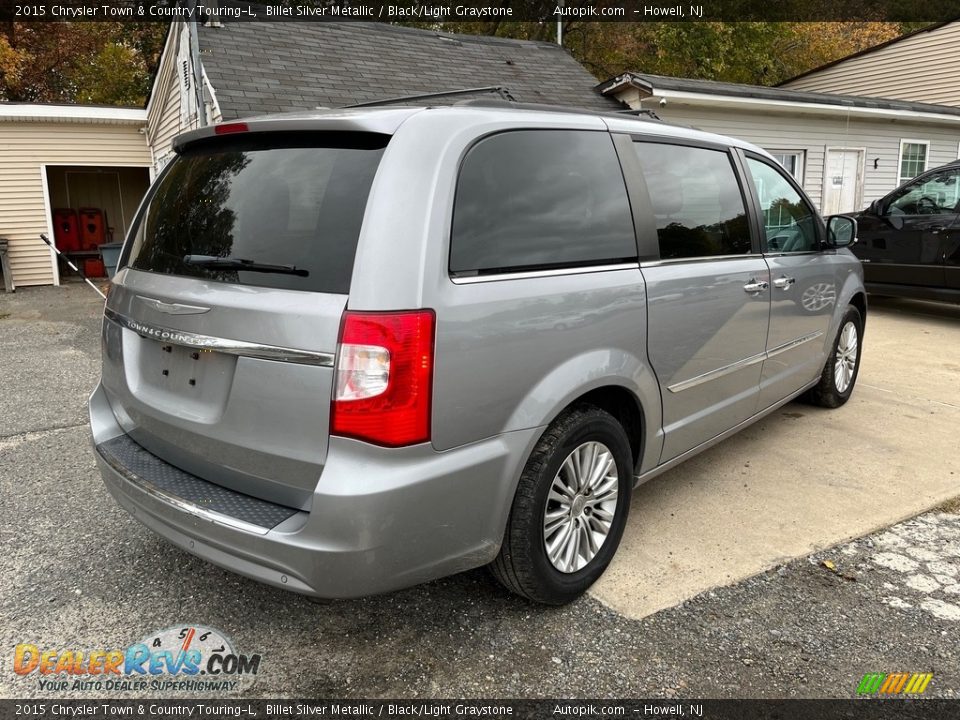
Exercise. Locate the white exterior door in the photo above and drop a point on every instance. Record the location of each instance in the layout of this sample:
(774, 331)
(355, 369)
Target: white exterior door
(843, 177)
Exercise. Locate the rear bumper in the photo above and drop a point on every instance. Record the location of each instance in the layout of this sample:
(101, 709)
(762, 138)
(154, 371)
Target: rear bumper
(381, 519)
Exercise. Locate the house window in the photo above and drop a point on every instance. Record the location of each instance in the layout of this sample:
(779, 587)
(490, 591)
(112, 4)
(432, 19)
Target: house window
(792, 162)
(913, 159)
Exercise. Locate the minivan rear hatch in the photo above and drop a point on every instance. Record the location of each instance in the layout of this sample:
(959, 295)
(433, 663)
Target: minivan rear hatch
(221, 330)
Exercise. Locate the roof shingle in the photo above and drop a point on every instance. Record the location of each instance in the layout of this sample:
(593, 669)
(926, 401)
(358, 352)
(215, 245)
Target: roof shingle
(259, 67)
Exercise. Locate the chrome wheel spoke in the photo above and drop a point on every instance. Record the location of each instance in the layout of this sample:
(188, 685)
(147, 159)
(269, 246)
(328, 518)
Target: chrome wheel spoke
(606, 491)
(571, 471)
(600, 469)
(561, 499)
(556, 548)
(601, 514)
(553, 524)
(589, 541)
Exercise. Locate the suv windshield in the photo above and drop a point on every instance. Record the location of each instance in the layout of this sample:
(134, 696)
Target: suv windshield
(275, 200)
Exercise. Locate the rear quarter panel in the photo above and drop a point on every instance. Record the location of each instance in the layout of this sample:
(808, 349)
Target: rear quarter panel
(510, 354)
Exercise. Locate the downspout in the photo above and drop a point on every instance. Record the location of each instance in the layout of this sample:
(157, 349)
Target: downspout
(195, 64)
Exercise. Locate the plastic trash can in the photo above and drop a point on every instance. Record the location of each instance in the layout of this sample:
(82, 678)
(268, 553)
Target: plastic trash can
(110, 252)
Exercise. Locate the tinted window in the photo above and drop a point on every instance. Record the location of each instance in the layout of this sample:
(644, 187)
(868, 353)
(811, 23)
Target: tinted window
(697, 203)
(540, 199)
(276, 200)
(935, 194)
(788, 220)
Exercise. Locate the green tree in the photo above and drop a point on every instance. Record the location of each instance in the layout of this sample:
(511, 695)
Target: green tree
(109, 63)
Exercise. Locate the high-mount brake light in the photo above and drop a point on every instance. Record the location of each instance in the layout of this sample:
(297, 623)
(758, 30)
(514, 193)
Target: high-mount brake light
(384, 377)
(228, 128)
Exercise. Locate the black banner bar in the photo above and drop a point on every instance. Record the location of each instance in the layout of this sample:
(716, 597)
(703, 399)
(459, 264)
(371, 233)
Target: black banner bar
(353, 709)
(438, 11)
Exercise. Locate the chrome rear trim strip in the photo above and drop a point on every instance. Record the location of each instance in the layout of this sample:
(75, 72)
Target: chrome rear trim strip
(740, 364)
(223, 345)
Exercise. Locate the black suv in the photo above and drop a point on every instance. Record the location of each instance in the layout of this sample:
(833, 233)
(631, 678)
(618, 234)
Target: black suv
(909, 241)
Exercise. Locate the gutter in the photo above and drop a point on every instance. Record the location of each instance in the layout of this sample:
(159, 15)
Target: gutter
(684, 97)
(33, 112)
(790, 106)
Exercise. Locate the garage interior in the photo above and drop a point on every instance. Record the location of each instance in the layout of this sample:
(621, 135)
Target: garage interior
(92, 206)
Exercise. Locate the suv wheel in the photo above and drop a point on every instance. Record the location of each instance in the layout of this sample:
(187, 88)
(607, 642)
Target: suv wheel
(840, 372)
(570, 508)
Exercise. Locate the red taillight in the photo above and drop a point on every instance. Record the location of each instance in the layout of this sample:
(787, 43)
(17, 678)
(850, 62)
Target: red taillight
(227, 128)
(384, 377)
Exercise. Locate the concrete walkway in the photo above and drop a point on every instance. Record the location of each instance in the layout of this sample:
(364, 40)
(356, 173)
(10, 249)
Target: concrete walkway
(804, 478)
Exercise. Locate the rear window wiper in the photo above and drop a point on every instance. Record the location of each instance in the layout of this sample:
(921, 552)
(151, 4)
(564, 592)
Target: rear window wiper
(215, 262)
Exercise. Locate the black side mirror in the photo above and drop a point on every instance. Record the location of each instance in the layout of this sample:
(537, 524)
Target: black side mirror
(841, 231)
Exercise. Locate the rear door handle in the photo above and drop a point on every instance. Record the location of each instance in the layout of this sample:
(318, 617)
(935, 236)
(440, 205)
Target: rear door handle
(754, 287)
(784, 282)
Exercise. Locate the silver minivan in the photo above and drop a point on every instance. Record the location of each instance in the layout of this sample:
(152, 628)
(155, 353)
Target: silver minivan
(350, 351)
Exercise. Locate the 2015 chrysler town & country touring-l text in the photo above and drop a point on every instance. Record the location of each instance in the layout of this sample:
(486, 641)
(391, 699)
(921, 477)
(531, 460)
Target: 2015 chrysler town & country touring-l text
(350, 351)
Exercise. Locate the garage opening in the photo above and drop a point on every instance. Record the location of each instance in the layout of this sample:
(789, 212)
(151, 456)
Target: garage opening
(92, 206)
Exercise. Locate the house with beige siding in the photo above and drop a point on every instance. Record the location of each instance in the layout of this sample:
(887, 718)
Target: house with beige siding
(54, 157)
(845, 150)
(923, 66)
(72, 157)
(846, 144)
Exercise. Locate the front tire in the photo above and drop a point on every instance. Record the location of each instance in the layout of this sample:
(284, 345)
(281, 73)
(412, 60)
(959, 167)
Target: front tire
(843, 363)
(570, 508)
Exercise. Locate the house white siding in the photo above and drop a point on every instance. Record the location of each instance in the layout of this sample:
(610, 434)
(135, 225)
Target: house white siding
(813, 134)
(924, 67)
(25, 148)
(167, 114)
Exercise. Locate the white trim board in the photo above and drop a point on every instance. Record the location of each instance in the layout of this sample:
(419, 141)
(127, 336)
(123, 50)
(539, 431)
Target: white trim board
(29, 111)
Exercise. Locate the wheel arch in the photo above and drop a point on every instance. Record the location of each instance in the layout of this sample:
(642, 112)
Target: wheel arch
(623, 405)
(612, 379)
(859, 301)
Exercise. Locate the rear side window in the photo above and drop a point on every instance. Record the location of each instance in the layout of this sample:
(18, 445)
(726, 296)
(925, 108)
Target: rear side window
(289, 206)
(697, 202)
(540, 199)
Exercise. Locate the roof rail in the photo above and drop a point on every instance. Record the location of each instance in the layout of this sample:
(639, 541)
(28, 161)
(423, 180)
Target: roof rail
(500, 90)
(638, 112)
(491, 103)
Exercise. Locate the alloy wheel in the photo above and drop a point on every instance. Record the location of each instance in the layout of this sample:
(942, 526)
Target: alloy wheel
(581, 506)
(846, 359)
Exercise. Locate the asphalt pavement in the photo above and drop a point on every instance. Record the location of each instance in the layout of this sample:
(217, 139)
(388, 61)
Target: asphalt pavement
(79, 573)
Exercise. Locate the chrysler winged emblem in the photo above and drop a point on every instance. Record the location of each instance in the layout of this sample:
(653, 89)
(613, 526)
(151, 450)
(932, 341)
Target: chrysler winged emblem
(172, 308)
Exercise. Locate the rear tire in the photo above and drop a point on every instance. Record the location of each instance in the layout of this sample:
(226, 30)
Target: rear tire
(843, 364)
(581, 475)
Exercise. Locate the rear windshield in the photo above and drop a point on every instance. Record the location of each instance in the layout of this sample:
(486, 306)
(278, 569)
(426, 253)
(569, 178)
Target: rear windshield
(289, 205)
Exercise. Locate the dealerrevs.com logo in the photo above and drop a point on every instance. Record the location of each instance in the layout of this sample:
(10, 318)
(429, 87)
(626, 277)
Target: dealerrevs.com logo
(191, 658)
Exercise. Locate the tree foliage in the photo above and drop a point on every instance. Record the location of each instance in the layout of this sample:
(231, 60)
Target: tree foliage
(93, 62)
(113, 63)
(761, 53)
